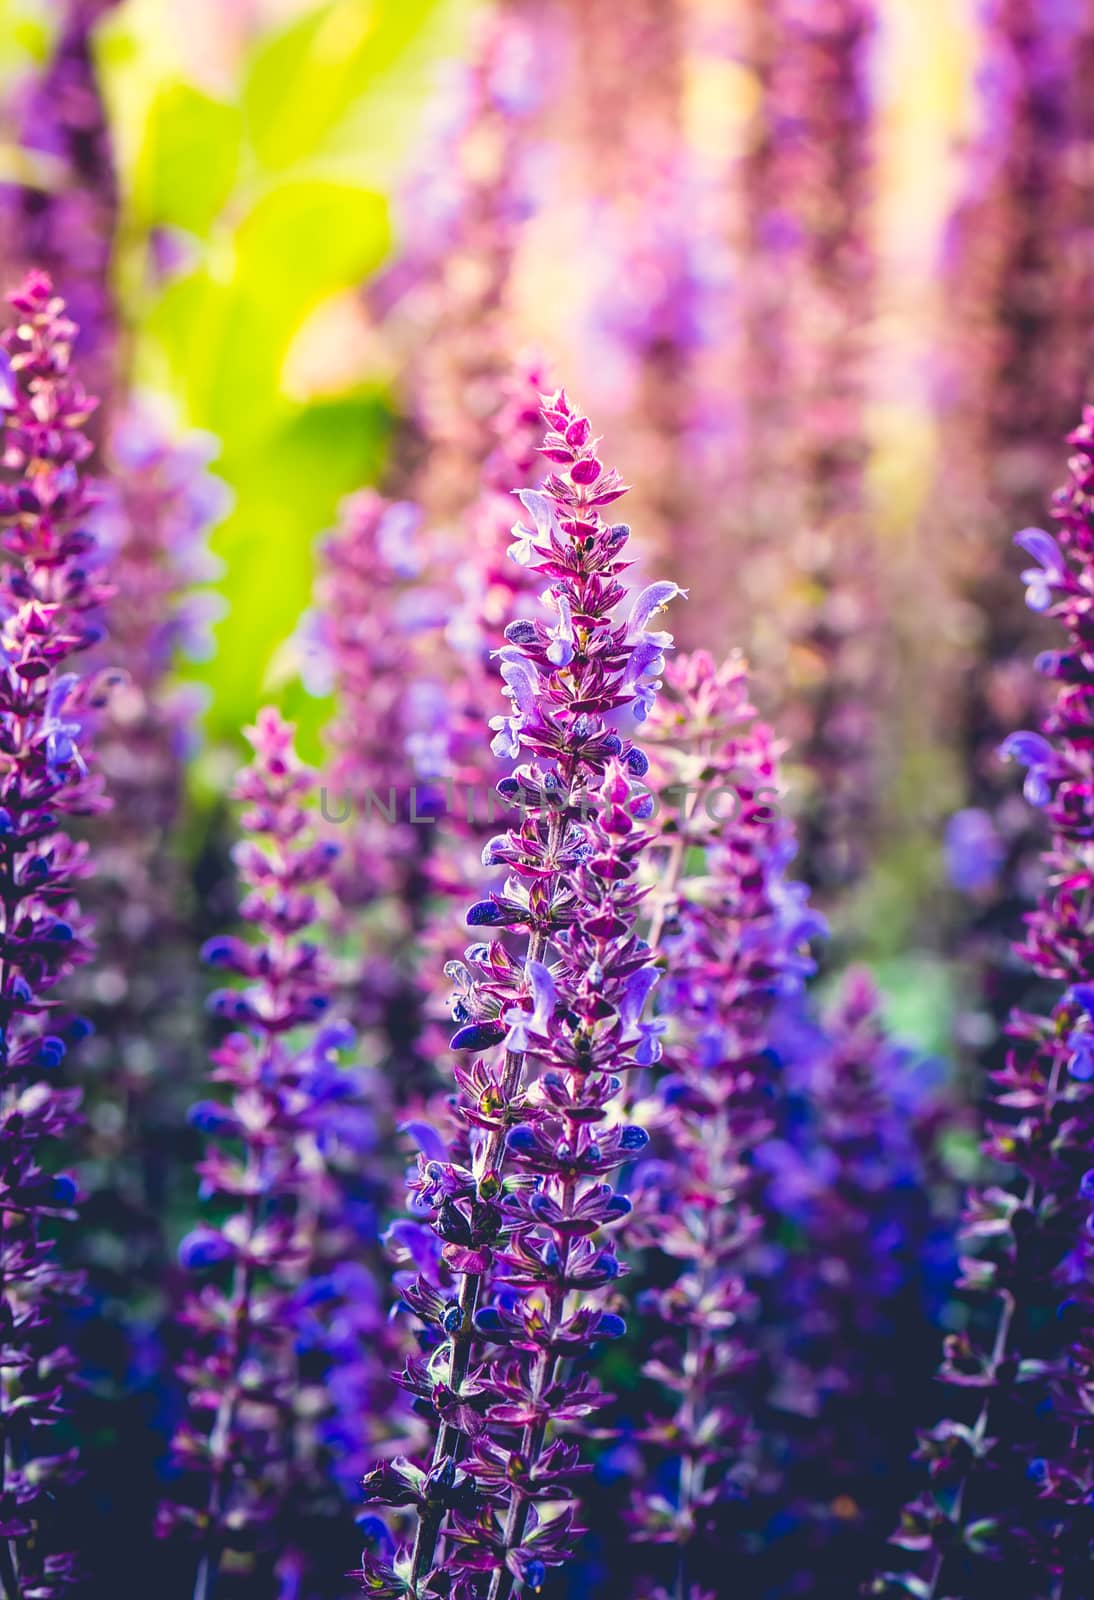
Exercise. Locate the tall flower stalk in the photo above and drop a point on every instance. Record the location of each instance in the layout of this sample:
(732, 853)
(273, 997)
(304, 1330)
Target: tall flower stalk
(649, 313)
(547, 1032)
(824, 76)
(238, 1452)
(157, 506)
(733, 932)
(143, 992)
(51, 588)
(1023, 1231)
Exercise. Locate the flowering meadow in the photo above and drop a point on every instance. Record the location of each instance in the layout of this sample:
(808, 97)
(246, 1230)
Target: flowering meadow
(547, 799)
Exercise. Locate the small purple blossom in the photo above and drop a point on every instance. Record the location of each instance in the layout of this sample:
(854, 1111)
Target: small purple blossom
(1051, 571)
(973, 850)
(1036, 754)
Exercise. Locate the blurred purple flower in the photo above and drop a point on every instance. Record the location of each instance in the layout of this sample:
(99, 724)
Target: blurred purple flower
(973, 851)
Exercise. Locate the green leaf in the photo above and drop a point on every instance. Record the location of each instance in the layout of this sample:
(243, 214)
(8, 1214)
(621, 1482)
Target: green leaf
(287, 490)
(919, 998)
(188, 160)
(223, 332)
(306, 238)
(179, 338)
(302, 81)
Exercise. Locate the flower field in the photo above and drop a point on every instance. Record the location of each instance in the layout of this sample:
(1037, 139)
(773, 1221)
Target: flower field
(547, 799)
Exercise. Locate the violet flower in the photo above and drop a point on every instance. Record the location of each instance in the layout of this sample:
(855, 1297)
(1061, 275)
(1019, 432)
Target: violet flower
(51, 589)
(521, 1217)
(267, 1163)
(735, 933)
(1017, 262)
(647, 284)
(370, 608)
(1004, 1469)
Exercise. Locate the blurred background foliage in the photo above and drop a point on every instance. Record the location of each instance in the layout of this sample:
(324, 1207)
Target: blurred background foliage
(259, 143)
(260, 146)
(256, 149)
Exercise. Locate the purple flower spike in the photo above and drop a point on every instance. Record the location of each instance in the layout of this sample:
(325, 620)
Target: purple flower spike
(153, 519)
(388, 742)
(1012, 1472)
(278, 1145)
(522, 1205)
(367, 616)
(51, 594)
(732, 929)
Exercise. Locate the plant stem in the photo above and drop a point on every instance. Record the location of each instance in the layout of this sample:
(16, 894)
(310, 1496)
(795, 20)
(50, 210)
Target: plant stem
(998, 1355)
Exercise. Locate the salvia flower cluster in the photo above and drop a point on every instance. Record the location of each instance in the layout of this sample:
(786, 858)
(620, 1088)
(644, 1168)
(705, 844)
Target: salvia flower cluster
(51, 592)
(267, 1168)
(544, 1037)
(637, 973)
(1007, 1471)
(734, 931)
